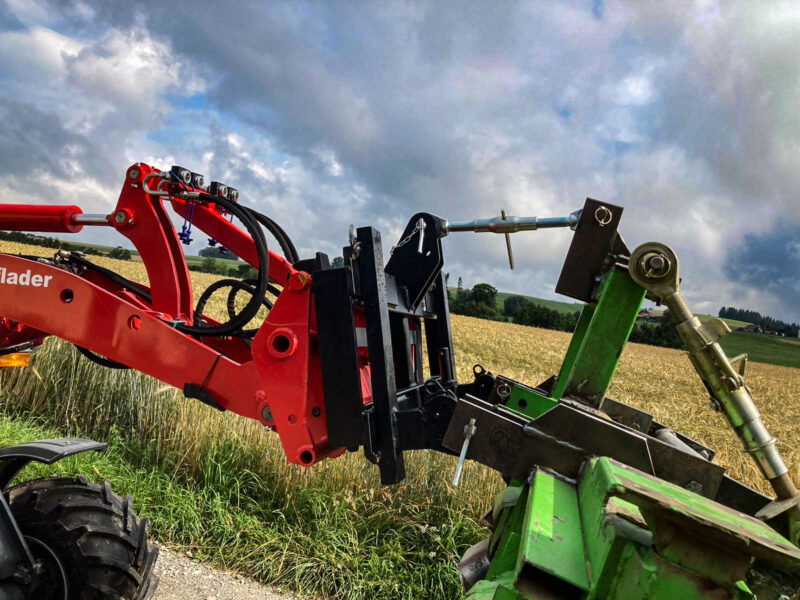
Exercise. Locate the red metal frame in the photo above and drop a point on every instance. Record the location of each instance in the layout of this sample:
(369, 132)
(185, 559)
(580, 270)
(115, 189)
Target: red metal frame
(280, 372)
(49, 219)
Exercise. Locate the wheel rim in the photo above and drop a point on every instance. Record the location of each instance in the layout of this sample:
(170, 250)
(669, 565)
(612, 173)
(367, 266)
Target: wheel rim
(51, 579)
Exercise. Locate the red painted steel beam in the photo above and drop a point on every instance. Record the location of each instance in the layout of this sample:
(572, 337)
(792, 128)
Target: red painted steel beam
(46, 219)
(76, 310)
(147, 224)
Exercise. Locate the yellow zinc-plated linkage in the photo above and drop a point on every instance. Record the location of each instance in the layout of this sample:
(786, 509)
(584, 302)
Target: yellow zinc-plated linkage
(654, 266)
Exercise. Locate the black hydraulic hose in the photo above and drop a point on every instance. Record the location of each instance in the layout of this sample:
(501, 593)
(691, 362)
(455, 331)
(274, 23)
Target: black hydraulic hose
(121, 281)
(284, 241)
(247, 286)
(100, 360)
(250, 310)
(236, 285)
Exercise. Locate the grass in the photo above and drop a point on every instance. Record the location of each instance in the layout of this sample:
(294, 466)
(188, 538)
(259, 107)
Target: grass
(228, 262)
(562, 307)
(219, 486)
(761, 347)
(732, 322)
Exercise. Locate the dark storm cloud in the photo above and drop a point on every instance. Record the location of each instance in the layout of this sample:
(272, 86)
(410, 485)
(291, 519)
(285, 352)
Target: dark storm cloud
(33, 140)
(334, 113)
(769, 262)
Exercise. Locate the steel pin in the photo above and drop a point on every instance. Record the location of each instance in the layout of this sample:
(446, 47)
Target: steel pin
(508, 242)
(469, 431)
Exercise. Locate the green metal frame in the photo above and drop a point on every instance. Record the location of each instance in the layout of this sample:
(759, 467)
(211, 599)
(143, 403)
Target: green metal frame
(591, 361)
(619, 534)
(601, 334)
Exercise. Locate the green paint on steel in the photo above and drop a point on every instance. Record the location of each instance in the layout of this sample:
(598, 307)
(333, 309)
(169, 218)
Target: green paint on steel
(505, 541)
(599, 541)
(601, 334)
(743, 592)
(650, 493)
(527, 402)
(581, 329)
(552, 540)
(501, 588)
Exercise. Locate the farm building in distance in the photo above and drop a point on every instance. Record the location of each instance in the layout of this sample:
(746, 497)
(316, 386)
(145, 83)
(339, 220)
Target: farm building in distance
(650, 315)
(752, 329)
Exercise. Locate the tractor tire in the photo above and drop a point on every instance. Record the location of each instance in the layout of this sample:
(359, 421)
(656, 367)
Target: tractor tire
(90, 543)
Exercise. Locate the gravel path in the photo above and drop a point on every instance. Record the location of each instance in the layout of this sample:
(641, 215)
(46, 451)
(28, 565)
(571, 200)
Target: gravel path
(182, 579)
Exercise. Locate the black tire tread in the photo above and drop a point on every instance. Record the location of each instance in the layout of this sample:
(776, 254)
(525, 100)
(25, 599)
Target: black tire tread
(97, 535)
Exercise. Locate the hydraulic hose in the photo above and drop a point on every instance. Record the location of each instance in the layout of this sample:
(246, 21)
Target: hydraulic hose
(100, 360)
(121, 281)
(284, 241)
(247, 285)
(249, 311)
(236, 285)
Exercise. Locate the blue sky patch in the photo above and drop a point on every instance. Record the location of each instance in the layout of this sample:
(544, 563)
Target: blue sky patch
(598, 7)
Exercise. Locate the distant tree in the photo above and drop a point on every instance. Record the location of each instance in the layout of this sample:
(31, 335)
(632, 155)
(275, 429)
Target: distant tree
(245, 271)
(764, 321)
(120, 253)
(536, 315)
(216, 252)
(513, 304)
(663, 334)
(460, 287)
(479, 302)
(208, 265)
(483, 293)
(337, 262)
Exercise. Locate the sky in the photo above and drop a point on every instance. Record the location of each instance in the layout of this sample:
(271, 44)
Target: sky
(326, 114)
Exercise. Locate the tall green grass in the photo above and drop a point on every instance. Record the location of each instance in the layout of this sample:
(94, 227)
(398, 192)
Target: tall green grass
(219, 486)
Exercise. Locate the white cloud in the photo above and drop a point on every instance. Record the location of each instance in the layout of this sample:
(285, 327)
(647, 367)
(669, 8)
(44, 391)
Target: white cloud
(685, 115)
(130, 73)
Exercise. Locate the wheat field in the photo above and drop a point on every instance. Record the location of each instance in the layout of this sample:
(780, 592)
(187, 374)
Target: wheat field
(660, 381)
(332, 536)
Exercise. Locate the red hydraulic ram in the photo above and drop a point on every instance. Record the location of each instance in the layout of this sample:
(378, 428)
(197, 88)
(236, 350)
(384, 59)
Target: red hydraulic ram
(48, 219)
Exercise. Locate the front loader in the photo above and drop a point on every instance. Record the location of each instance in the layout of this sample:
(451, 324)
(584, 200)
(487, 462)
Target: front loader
(602, 500)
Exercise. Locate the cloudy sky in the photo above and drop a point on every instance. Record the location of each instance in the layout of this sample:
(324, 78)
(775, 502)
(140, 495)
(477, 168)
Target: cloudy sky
(330, 113)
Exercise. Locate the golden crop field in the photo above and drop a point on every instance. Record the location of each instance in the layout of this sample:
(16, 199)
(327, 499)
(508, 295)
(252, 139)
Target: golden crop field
(219, 486)
(658, 380)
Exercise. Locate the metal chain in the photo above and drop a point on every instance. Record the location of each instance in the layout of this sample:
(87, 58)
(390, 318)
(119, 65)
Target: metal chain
(408, 238)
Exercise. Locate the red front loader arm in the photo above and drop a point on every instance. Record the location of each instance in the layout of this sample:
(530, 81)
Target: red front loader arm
(276, 379)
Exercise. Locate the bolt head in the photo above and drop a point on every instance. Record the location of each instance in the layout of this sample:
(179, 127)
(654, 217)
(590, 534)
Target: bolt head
(656, 263)
(133, 173)
(120, 217)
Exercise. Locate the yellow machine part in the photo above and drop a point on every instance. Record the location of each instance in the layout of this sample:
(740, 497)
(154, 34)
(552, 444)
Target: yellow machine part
(17, 359)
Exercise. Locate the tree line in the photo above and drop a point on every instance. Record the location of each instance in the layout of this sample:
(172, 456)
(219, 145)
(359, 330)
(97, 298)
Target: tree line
(215, 267)
(765, 322)
(207, 265)
(481, 302)
(49, 242)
